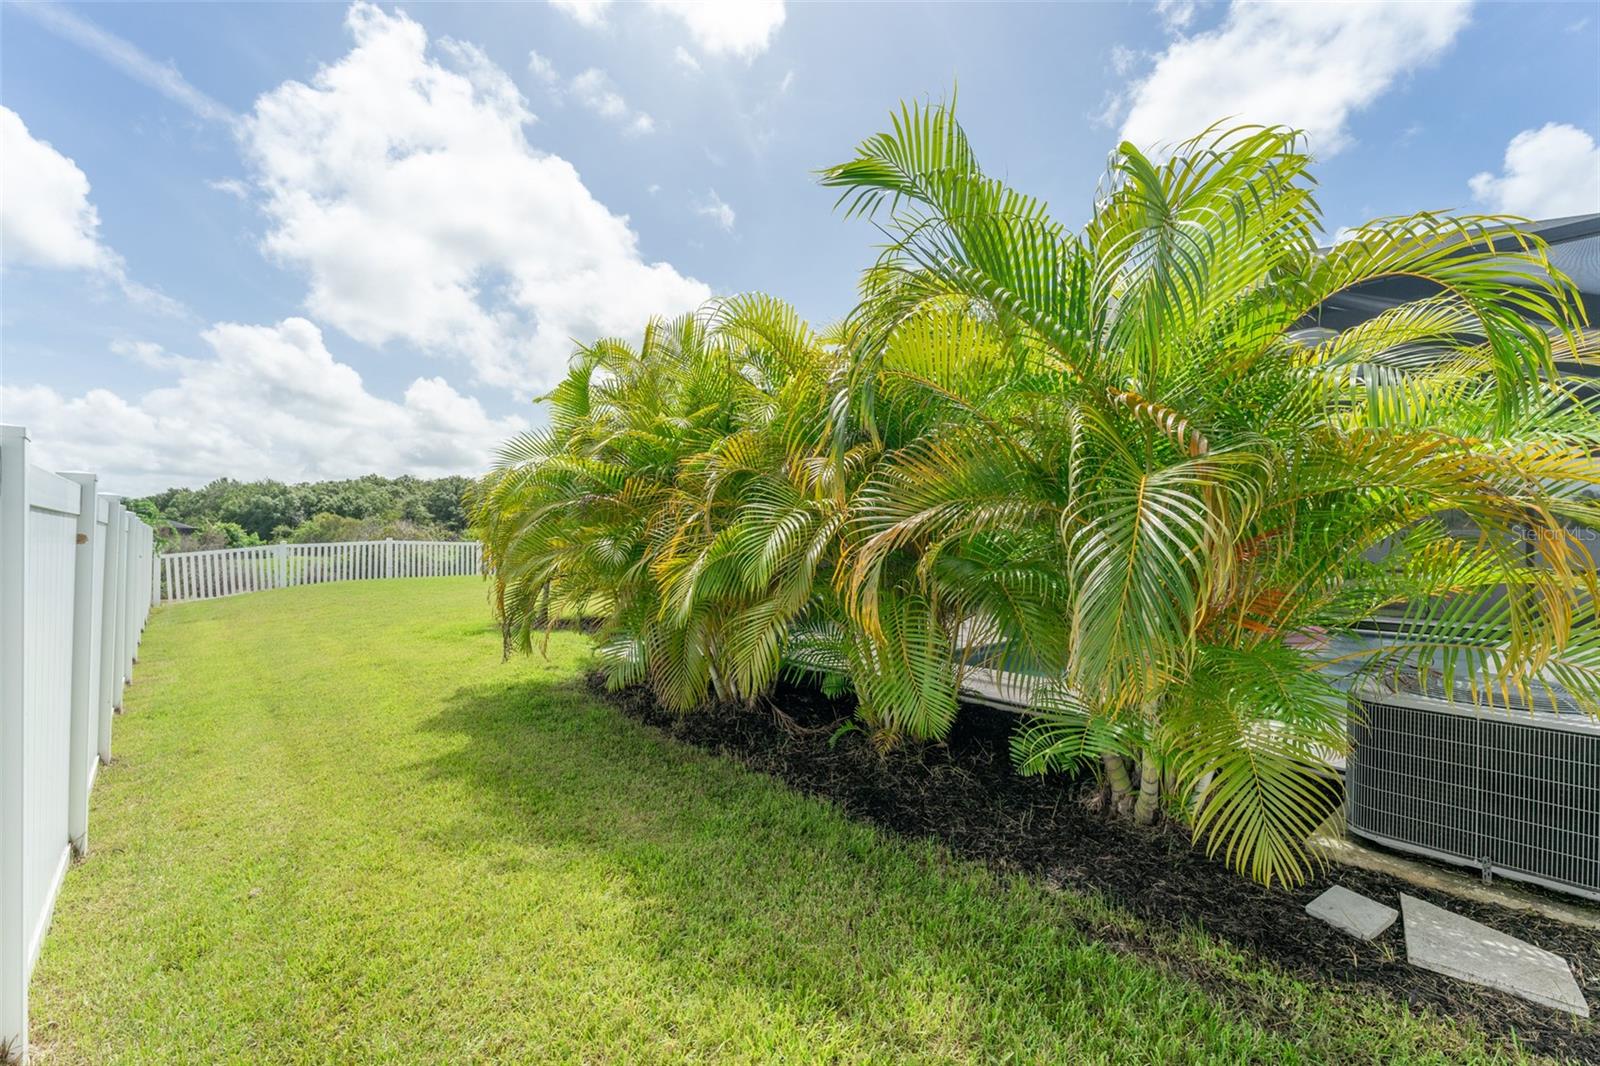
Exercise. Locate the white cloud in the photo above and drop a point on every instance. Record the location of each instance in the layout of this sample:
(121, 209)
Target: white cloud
(232, 186)
(742, 28)
(126, 57)
(681, 56)
(270, 401)
(595, 91)
(47, 219)
(150, 355)
(587, 12)
(1176, 15)
(544, 70)
(1549, 172)
(411, 197)
(1306, 65)
(714, 208)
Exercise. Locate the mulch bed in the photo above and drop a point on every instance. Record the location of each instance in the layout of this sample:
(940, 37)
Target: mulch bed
(965, 794)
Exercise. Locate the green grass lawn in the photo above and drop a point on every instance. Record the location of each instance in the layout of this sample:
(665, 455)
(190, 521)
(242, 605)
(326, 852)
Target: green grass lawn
(339, 829)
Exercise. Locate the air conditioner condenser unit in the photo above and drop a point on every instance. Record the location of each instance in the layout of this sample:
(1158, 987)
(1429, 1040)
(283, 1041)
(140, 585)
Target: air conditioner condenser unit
(1514, 793)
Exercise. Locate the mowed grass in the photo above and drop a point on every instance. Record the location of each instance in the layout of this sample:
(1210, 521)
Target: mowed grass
(340, 830)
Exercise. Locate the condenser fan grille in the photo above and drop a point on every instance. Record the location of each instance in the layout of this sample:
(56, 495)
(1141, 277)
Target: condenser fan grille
(1515, 793)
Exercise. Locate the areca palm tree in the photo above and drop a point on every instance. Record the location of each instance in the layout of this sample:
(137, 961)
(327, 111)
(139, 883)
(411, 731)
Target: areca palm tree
(568, 517)
(1197, 483)
(697, 491)
(678, 492)
(1126, 456)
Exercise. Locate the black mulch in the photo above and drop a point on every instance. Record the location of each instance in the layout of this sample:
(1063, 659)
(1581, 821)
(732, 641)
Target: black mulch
(965, 794)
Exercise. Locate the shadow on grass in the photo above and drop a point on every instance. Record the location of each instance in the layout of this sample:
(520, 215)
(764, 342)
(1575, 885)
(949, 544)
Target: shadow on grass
(740, 883)
(740, 886)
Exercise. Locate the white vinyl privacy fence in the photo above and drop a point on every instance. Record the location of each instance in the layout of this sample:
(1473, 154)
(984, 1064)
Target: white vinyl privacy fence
(229, 571)
(77, 579)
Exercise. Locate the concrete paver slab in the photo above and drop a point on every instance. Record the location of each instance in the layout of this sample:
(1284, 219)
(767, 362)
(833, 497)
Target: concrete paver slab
(1459, 947)
(1352, 912)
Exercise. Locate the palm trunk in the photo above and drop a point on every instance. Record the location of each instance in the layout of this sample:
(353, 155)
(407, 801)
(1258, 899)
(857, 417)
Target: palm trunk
(717, 687)
(1117, 778)
(1144, 809)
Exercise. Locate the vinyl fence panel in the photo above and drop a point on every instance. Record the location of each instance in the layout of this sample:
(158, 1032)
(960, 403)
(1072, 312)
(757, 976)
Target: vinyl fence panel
(110, 508)
(204, 575)
(75, 582)
(122, 654)
(130, 578)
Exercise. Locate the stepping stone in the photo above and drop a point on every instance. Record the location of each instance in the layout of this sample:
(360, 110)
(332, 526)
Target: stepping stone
(1464, 949)
(1352, 912)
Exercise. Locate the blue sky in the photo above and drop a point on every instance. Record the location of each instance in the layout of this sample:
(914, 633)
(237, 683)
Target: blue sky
(308, 241)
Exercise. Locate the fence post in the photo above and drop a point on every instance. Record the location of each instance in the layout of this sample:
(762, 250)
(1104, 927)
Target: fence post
(280, 566)
(13, 855)
(84, 727)
(119, 603)
(388, 557)
(111, 592)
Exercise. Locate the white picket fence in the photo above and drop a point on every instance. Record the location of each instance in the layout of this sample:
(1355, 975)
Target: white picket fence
(206, 575)
(77, 579)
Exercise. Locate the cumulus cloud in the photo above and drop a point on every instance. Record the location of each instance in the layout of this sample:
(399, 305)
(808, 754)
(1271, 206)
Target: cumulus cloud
(586, 12)
(544, 71)
(232, 186)
(404, 186)
(1311, 66)
(1176, 15)
(594, 90)
(47, 219)
(1549, 172)
(149, 354)
(714, 208)
(269, 401)
(742, 28)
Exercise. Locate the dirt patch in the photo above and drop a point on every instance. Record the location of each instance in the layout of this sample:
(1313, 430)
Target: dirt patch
(965, 794)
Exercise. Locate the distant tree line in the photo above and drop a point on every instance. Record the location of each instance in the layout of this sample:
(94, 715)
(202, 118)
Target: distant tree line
(230, 514)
